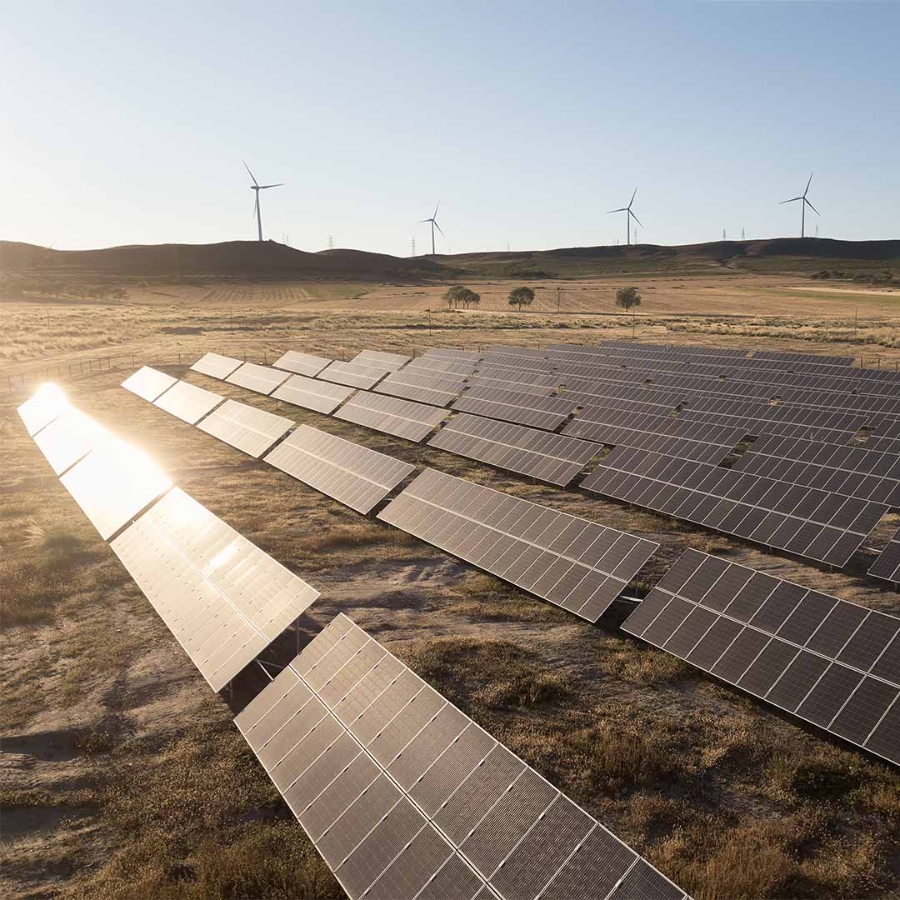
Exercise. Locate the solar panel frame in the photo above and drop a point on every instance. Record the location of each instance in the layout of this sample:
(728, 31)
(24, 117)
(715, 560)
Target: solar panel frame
(148, 383)
(513, 830)
(188, 402)
(310, 393)
(392, 415)
(301, 363)
(350, 473)
(222, 597)
(216, 366)
(575, 564)
(245, 428)
(261, 379)
(813, 655)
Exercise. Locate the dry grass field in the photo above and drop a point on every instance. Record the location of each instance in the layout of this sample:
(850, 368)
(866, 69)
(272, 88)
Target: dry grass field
(122, 776)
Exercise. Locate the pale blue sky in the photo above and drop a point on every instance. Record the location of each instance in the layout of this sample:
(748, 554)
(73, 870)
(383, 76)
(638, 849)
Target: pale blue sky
(126, 122)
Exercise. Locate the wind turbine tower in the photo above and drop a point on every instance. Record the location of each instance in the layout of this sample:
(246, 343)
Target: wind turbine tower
(256, 186)
(434, 224)
(803, 204)
(629, 215)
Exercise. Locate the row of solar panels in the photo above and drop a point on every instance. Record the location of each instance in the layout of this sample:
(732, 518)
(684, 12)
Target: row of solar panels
(223, 598)
(818, 511)
(402, 794)
(582, 567)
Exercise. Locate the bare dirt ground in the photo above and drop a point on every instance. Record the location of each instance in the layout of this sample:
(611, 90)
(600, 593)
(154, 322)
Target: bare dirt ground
(123, 776)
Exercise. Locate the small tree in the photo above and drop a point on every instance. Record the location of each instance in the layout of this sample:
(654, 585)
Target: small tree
(469, 298)
(521, 296)
(452, 294)
(628, 299)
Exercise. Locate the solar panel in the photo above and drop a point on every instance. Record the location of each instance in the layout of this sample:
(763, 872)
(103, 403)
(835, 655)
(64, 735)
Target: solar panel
(42, 407)
(575, 564)
(437, 389)
(547, 457)
(444, 353)
(301, 363)
(516, 406)
(222, 597)
(403, 418)
(113, 483)
(216, 366)
(541, 383)
(355, 476)
(312, 394)
(435, 365)
(353, 374)
(245, 427)
(887, 565)
(404, 796)
(68, 438)
(188, 402)
(148, 383)
(380, 360)
(261, 379)
(825, 660)
(806, 521)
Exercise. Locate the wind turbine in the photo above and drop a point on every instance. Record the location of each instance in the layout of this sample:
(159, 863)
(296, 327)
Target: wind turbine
(434, 225)
(256, 186)
(629, 215)
(803, 204)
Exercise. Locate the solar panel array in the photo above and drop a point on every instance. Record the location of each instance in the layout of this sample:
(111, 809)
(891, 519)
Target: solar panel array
(660, 433)
(381, 360)
(301, 363)
(887, 565)
(830, 662)
(356, 476)
(575, 564)
(312, 394)
(850, 471)
(547, 457)
(404, 796)
(216, 366)
(403, 418)
(436, 388)
(353, 374)
(516, 406)
(222, 597)
(148, 383)
(245, 427)
(261, 379)
(188, 402)
(113, 484)
(806, 521)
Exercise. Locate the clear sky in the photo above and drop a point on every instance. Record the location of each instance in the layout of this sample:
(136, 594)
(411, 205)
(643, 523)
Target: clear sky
(126, 122)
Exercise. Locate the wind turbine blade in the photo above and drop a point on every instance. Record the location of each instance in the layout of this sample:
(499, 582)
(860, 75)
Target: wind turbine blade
(423, 221)
(262, 187)
(808, 183)
(250, 173)
(636, 219)
(632, 198)
(810, 206)
(792, 200)
(439, 229)
(620, 209)
(436, 209)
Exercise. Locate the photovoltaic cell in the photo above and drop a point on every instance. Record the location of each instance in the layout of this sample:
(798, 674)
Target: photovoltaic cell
(421, 802)
(216, 366)
(887, 565)
(113, 483)
(353, 374)
(830, 662)
(301, 363)
(354, 475)
(261, 379)
(548, 457)
(312, 394)
(569, 561)
(148, 383)
(222, 597)
(188, 402)
(245, 427)
(403, 418)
